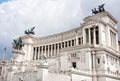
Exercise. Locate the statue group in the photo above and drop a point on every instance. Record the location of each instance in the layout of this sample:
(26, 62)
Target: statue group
(30, 31)
(100, 9)
(18, 44)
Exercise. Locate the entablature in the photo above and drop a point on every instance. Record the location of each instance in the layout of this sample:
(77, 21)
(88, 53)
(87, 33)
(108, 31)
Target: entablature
(68, 35)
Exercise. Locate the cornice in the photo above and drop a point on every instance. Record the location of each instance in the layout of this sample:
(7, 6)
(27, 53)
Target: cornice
(18, 51)
(108, 50)
(74, 30)
(29, 36)
(75, 48)
(93, 22)
(100, 15)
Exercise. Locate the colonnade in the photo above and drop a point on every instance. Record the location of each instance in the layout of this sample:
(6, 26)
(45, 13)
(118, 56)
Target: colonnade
(92, 35)
(51, 50)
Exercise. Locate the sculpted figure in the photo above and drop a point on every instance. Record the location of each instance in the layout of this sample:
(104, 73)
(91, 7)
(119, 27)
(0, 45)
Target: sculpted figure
(18, 44)
(30, 31)
(99, 9)
(94, 11)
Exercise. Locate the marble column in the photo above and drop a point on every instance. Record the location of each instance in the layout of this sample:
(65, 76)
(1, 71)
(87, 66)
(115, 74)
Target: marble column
(112, 39)
(48, 52)
(93, 60)
(74, 42)
(71, 42)
(94, 36)
(45, 52)
(54, 49)
(41, 51)
(94, 78)
(81, 40)
(100, 35)
(38, 52)
(51, 50)
(115, 39)
(76, 39)
(35, 53)
(64, 44)
(61, 45)
(67, 43)
(58, 49)
(89, 36)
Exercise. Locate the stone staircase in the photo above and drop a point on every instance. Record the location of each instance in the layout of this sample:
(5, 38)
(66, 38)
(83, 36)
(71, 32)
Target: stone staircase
(58, 77)
(2, 79)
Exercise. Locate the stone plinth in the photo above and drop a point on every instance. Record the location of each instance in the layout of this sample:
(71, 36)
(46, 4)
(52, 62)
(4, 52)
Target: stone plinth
(42, 74)
(18, 55)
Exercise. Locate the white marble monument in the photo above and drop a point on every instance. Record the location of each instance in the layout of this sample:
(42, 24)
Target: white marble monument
(89, 52)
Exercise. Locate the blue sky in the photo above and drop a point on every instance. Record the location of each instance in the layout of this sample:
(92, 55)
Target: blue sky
(49, 17)
(1, 1)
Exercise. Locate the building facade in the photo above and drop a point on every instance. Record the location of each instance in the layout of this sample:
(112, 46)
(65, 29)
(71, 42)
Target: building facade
(119, 44)
(89, 52)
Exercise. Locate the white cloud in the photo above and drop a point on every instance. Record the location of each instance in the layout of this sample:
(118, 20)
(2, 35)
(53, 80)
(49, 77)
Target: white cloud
(49, 16)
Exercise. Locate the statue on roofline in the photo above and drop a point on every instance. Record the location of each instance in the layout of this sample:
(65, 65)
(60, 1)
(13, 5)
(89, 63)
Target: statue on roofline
(18, 44)
(94, 11)
(100, 9)
(30, 31)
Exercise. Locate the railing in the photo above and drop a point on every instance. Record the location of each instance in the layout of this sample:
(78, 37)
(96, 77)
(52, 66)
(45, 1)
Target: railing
(74, 56)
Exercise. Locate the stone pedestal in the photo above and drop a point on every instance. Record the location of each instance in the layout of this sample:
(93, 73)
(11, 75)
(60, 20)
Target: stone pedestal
(11, 72)
(42, 74)
(18, 55)
(18, 60)
(94, 75)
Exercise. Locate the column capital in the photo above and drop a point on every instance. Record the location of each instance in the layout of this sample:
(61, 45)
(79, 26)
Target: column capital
(93, 52)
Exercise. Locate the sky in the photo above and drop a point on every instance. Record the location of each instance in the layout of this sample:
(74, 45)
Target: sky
(49, 17)
(1, 1)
